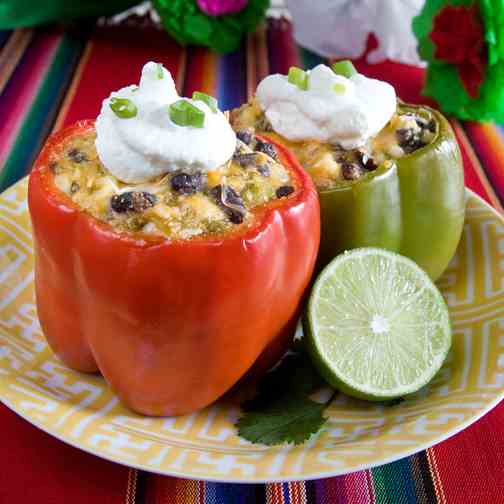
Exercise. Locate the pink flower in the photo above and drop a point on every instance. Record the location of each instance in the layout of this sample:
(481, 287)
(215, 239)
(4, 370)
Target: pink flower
(221, 7)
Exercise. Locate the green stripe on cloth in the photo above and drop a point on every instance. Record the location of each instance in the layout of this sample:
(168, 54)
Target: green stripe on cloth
(393, 483)
(40, 118)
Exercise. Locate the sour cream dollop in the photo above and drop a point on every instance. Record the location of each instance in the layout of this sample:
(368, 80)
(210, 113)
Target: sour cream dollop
(348, 116)
(140, 148)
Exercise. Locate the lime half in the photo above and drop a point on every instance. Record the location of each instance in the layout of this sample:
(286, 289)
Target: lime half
(376, 326)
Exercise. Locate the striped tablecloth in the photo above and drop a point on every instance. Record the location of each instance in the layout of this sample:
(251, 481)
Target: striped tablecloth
(53, 76)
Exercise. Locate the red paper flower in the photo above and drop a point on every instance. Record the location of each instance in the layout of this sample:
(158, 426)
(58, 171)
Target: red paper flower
(459, 39)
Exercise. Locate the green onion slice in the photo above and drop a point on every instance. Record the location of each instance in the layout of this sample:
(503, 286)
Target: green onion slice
(344, 68)
(184, 113)
(160, 73)
(209, 100)
(298, 77)
(339, 88)
(123, 108)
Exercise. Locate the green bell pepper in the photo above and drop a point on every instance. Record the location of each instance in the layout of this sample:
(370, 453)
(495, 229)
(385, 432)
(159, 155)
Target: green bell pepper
(17, 13)
(414, 205)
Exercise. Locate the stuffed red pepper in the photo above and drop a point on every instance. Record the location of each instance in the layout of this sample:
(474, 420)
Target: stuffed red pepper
(169, 255)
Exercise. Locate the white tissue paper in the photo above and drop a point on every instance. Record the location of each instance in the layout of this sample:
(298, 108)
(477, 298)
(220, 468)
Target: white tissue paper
(340, 28)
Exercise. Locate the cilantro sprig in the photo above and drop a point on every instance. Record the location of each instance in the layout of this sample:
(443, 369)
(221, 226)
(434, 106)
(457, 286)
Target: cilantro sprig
(282, 411)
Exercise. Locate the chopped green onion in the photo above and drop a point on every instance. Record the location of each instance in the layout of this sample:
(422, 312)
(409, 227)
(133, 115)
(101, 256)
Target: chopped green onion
(123, 108)
(298, 77)
(160, 73)
(184, 113)
(339, 88)
(209, 100)
(344, 68)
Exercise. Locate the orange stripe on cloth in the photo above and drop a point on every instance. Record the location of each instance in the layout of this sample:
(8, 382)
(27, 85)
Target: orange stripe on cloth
(251, 58)
(438, 483)
(107, 67)
(11, 53)
(201, 72)
(475, 176)
(296, 491)
(262, 52)
(257, 59)
(131, 487)
(488, 143)
(188, 491)
(274, 493)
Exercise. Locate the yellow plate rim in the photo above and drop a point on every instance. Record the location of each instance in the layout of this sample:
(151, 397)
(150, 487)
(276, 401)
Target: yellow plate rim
(301, 477)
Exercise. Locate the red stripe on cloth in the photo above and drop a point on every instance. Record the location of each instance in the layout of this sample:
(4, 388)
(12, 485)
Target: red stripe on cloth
(161, 490)
(283, 52)
(488, 143)
(475, 177)
(359, 487)
(471, 464)
(110, 66)
(38, 468)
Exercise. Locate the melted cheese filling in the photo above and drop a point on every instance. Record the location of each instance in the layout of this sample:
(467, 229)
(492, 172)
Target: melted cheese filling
(177, 205)
(330, 165)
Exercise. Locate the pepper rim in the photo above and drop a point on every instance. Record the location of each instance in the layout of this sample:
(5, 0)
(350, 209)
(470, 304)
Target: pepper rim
(264, 215)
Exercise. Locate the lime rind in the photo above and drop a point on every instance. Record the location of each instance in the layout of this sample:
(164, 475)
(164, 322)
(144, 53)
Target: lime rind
(376, 326)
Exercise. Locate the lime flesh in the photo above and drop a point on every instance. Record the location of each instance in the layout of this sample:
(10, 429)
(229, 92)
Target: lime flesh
(376, 326)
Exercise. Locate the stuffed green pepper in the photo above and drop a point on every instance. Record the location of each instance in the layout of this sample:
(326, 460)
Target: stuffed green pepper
(388, 174)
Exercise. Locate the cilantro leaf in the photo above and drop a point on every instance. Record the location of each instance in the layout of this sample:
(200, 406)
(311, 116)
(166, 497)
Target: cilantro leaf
(295, 375)
(291, 419)
(281, 411)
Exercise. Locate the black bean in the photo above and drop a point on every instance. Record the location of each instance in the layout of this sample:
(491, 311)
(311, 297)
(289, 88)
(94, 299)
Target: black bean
(230, 196)
(55, 167)
(246, 135)
(132, 201)
(246, 159)
(230, 202)
(74, 187)
(421, 122)
(366, 161)
(186, 183)
(266, 148)
(264, 170)
(77, 156)
(235, 216)
(409, 140)
(352, 171)
(431, 125)
(263, 124)
(283, 191)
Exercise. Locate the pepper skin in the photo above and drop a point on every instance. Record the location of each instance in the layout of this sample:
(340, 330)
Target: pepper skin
(415, 207)
(171, 325)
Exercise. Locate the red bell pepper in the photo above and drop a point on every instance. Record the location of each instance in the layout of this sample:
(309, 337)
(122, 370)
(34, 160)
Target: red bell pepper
(171, 325)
